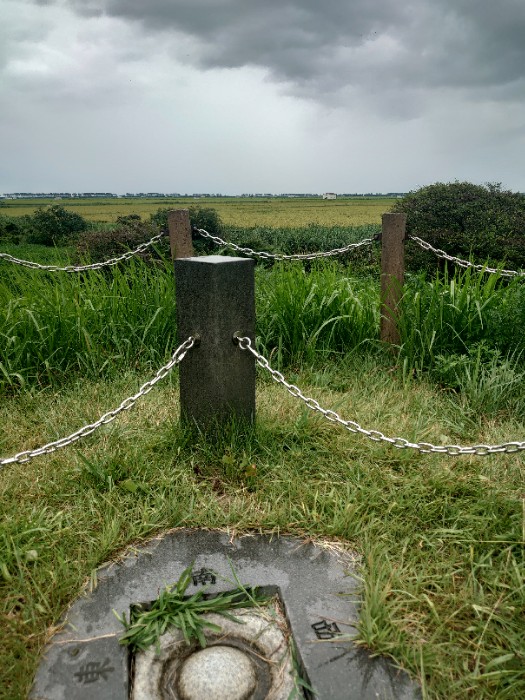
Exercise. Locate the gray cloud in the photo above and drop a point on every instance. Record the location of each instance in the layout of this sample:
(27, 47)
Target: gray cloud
(324, 48)
(398, 94)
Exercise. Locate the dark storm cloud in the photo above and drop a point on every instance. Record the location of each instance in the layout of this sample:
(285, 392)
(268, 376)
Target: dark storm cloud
(326, 47)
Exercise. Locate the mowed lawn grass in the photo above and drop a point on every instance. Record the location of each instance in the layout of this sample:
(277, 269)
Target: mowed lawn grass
(234, 211)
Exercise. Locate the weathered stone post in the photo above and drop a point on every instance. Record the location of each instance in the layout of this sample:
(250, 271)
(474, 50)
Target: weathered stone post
(216, 299)
(179, 228)
(392, 274)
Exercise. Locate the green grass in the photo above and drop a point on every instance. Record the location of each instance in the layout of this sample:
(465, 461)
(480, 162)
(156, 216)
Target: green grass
(310, 316)
(442, 538)
(37, 253)
(173, 608)
(290, 240)
(55, 324)
(452, 313)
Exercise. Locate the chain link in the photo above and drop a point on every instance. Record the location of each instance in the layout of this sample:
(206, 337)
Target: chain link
(128, 403)
(274, 256)
(464, 263)
(375, 435)
(80, 268)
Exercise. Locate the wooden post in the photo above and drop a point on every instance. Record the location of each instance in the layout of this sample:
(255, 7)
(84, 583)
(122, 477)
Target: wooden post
(179, 228)
(392, 274)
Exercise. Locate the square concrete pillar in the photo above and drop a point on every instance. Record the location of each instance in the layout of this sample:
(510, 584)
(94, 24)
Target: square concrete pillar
(215, 297)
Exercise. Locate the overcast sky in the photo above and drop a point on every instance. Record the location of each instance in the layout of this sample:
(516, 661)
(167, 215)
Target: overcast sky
(240, 96)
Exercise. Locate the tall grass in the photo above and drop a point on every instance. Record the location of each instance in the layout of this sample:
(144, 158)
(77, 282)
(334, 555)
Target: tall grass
(300, 239)
(464, 330)
(446, 314)
(308, 316)
(53, 325)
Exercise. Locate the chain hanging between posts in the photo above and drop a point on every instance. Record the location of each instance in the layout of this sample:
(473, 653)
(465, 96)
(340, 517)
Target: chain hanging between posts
(274, 256)
(375, 435)
(464, 263)
(128, 403)
(80, 268)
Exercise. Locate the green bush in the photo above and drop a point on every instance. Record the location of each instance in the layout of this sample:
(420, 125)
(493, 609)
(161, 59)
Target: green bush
(200, 217)
(54, 225)
(483, 222)
(14, 229)
(130, 232)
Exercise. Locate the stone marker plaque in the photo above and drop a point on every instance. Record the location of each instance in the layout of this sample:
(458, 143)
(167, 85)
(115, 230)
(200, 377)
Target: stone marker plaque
(316, 587)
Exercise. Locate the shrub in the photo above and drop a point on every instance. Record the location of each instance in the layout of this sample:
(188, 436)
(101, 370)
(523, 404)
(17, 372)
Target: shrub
(130, 232)
(14, 229)
(55, 225)
(201, 217)
(482, 221)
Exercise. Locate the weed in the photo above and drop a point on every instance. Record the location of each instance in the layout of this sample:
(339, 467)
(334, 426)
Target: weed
(172, 608)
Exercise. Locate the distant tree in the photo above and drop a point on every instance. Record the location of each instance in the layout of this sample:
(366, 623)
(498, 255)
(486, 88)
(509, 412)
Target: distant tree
(206, 218)
(201, 217)
(482, 221)
(55, 225)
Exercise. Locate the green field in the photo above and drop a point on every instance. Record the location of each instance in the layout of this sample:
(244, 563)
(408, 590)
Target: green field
(234, 211)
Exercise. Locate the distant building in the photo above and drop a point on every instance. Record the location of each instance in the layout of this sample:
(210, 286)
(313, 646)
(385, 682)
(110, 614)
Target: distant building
(329, 195)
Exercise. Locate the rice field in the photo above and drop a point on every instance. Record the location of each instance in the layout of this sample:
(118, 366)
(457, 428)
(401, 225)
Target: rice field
(282, 212)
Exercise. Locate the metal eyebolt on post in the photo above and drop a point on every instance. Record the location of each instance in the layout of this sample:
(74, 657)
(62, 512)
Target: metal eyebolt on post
(240, 339)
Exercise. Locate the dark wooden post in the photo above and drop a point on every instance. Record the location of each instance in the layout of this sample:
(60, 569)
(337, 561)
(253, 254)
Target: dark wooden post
(179, 228)
(392, 274)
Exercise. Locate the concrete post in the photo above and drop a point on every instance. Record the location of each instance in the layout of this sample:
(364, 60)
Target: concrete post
(179, 228)
(216, 299)
(392, 274)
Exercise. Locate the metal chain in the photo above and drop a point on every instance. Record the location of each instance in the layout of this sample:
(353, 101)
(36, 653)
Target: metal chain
(275, 256)
(464, 263)
(508, 447)
(128, 403)
(80, 268)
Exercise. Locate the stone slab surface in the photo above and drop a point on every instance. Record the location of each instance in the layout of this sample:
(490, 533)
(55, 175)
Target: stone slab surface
(316, 585)
(79, 670)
